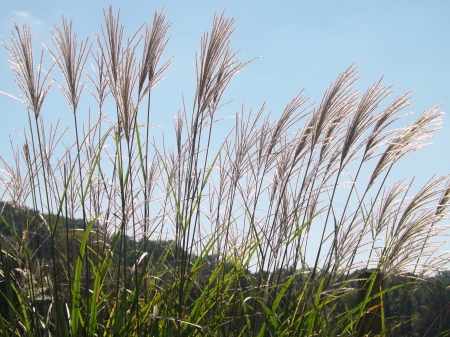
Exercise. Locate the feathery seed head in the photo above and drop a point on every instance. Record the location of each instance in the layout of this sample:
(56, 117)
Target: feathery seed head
(70, 60)
(27, 78)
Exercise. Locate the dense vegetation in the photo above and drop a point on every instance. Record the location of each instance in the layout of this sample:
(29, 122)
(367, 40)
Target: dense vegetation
(418, 307)
(117, 235)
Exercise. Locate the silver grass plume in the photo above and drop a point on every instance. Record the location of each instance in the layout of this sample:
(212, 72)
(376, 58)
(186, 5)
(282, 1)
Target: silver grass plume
(27, 78)
(70, 60)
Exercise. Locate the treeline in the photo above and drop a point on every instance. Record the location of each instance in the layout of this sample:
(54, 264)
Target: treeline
(415, 307)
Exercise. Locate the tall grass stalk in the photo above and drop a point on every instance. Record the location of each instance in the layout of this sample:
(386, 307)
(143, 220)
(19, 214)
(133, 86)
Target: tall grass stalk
(254, 234)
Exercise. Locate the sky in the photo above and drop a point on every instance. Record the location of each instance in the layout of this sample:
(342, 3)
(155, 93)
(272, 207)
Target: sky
(298, 45)
(301, 44)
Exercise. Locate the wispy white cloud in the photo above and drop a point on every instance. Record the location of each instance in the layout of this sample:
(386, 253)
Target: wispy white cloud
(26, 17)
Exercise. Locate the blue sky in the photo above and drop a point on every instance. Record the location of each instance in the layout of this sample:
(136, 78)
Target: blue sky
(303, 44)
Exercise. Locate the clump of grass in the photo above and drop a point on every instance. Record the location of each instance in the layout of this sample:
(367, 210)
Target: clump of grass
(238, 258)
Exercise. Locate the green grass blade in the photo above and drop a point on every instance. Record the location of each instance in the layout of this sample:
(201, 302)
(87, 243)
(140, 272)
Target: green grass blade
(75, 316)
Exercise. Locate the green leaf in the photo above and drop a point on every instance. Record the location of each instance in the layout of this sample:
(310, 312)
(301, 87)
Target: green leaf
(76, 296)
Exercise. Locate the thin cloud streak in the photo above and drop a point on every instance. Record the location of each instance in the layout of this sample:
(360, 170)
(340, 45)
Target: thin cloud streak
(27, 17)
